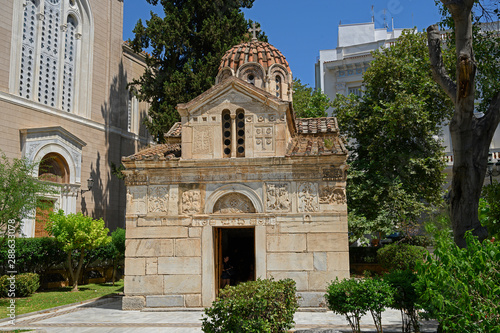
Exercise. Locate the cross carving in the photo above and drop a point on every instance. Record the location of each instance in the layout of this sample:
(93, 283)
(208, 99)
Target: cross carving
(254, 31)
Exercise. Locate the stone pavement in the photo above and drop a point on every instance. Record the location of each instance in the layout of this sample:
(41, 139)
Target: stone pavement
(106, 316)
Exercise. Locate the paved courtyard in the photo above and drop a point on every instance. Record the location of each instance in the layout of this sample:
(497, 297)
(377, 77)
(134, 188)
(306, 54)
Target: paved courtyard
(106, 316)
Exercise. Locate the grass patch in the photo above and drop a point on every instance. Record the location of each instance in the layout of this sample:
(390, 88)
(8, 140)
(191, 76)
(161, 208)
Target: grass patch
(56, 297)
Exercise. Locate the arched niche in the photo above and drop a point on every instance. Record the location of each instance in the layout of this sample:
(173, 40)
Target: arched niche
(54, 168)
(233, 203)
(250, 195)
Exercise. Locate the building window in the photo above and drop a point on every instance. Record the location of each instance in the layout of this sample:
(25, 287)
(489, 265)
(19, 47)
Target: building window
(251, 79)
(226, 133)
(278, 86)
(355, 91)
(49, 52)
(240, 133)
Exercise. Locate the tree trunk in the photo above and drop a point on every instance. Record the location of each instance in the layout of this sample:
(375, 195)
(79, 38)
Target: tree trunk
(78, 270)
(470, 136)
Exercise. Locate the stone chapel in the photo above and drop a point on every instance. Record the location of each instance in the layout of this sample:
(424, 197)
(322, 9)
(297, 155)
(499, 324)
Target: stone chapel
(239, 176)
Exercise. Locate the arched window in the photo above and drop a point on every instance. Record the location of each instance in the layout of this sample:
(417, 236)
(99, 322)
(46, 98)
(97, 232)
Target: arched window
(54, 168)
(278, 86)
(240, 133)
(226, 133)
(49, 63)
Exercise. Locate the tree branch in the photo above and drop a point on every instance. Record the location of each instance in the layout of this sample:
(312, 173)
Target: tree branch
(438, 71)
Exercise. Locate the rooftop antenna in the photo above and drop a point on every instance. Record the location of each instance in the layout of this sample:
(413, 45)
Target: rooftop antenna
(412, 24)
(393, 24)
(385, 19)
(340, 22)
(373, 15)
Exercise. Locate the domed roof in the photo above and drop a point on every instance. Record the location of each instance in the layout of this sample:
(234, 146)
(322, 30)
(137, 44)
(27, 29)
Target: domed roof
(255, 51)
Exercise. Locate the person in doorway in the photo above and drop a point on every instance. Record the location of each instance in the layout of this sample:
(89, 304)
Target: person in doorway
(226, 272)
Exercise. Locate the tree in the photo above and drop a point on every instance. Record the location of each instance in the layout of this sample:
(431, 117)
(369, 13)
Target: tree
(489, 209)
(470, 135)
(186, 48)
(309, 103)
(77, 233)
(19, 192)
(395, 160)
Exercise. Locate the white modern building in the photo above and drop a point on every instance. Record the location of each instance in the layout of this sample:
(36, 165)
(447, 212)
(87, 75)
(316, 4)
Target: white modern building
(340, 70)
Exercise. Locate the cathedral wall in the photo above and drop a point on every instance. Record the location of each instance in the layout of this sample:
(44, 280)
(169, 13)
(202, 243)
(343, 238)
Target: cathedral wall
(297, 210)
(5, 40)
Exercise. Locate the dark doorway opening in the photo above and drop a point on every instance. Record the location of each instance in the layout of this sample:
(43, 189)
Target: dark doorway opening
(239, 245)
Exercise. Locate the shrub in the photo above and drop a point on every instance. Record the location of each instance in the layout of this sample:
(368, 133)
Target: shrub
(461, 287)
(405, 298)
(33, 255)
(354, 298)
(400, 256)
(25, 285)
(255, 306)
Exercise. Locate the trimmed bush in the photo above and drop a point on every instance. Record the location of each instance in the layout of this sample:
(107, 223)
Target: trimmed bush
(400, 256)
(33, 255)
(24, 285)
(255, 306)
(405, 298)
(354, 298)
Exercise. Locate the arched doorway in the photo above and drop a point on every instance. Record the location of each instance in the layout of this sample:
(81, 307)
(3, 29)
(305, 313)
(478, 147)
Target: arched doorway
(53, 168)
(237, 243)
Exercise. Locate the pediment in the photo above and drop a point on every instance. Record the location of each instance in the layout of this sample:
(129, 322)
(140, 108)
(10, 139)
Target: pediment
(232, 92)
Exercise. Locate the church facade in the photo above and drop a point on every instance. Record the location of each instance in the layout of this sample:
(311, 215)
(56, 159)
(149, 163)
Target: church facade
(64, 101)
(239, 177)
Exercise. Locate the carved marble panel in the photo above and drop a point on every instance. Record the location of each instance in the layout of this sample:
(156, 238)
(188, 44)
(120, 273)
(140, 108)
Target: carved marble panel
(136, 200)
(277, 197)
(332, 195)
(191, 202)
(203, 140)
(333, 173)
(233, 221)
(233, 203)
(307, 195)
(264, 138)
(158, 199)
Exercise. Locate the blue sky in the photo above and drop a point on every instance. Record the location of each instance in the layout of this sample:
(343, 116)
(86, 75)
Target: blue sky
(300, 28)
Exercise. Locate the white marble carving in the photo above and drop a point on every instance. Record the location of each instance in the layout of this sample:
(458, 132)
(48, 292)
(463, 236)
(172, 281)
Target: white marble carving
(331, 195)
(308, 197)
(191, 202)
(277, 197)
(216, 221)
(264, 138)
(233, 203)
(158, 199)
(138, 199)
(203, 140)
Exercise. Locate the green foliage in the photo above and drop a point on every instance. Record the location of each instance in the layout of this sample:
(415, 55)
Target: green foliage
(25, 285)
(255, 306)
(18, 193)
(395, 162)
(360, 226)
(309, 103)
(118, 241)
(354, 298)
(185, 47)
(405, 297)
(76, 233)
(489, 209)
(400, 256)
(461, 287)
(32, 255)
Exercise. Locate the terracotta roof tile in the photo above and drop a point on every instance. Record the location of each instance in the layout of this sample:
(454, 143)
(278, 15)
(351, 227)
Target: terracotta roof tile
(157, 152)
(254, 51)
(175, 131)
(317, 125)
(315, 145)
